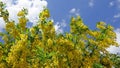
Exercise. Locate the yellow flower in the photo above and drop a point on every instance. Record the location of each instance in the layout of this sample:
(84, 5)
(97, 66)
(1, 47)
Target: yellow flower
(78, 17)
(68, 35)
(42, 18)
(88, 66)
(32, 30)
(23, 36)
(55, 60)
(84, 27)
(5, 38)
(94, 33)
(22, 20)
(110, 27)
(101, 25)
(64, 59)
(73, 20)
(46, 13)
(10, 26)
(1, 9)
(50, 42)
(47, 66)
(52, 31)
(70, 55)
(21, 13)
(108, 40)
(14, 33)
(21, 59)
(50, 23)
(2, 65)
(80, 24)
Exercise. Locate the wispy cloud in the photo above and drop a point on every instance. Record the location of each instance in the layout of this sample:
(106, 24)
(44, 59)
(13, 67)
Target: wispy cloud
(91, 3)
(59, 26)
(116, 4)
(118, 35)
(111, 3)
(2, 24)
(74, 11)
(117, 15)
(34, 8)
(114, 49)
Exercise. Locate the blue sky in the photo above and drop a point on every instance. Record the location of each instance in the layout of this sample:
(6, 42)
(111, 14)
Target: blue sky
(91, 11)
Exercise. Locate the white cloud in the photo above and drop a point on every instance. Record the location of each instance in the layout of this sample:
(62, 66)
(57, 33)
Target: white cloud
(63, 23)
(111, 3)
(74, 11)
(59, 26)
(2, 24)
(117, 15)
(91, 3)
(116, 4)
(114, 49)
(118, 35)
(34, 8)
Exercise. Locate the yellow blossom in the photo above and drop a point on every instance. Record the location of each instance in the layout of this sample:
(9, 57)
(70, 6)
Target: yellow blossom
(21, 13)
(23, 36)
(5, 38)
(32, 30)
(73, 20)
(50, 42)
(30, 48)
(46, 13)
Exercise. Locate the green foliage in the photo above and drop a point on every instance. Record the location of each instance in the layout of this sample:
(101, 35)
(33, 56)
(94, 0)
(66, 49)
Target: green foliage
(115, 59)
(97, 65)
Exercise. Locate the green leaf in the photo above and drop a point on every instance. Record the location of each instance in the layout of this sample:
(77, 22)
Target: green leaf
(97, 65)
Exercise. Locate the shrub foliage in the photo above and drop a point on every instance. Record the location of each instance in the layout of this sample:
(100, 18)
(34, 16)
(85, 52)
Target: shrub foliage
(40, 46)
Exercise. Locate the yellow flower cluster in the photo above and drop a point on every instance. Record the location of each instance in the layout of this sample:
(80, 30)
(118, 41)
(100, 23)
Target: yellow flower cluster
(45, 14)
(48, 31)
(77, 26)
(10, 26)
(21, 13)
(40, 47)
(101, 25)
(22, 18)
